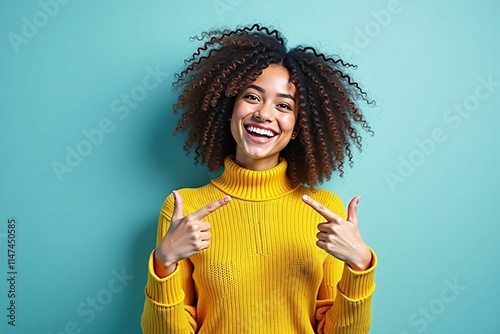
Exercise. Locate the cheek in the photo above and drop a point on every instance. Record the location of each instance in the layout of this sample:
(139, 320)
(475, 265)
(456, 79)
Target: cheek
(240, 111)
(289, 122)
(237, 111)
(235, 117)
(233, 129)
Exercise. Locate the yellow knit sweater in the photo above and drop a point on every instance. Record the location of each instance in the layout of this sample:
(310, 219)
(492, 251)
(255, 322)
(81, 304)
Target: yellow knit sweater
(263, 272)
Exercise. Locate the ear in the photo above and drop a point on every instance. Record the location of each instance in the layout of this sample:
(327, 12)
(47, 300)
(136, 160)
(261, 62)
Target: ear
(295, 133)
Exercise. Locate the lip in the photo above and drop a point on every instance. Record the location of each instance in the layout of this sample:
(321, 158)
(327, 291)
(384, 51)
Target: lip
(260, 126)
(260, 139)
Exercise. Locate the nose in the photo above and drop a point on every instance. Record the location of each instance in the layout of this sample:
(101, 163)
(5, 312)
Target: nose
(265, 113)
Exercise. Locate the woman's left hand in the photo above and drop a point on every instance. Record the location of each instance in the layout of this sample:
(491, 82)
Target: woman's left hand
(341, 238)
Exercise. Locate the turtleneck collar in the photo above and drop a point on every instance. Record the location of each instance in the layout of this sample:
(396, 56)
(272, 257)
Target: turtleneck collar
(253, 185)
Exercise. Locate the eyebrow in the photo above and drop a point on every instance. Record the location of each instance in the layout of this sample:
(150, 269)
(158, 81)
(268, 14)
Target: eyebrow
(262, 90)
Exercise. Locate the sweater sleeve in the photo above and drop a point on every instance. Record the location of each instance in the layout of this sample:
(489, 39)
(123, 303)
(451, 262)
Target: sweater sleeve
(170, 301)
(344, 303)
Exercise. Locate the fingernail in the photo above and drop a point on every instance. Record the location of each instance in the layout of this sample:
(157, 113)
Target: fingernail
(173, 194)
(305, 197)
(226, 199)
(359, 199)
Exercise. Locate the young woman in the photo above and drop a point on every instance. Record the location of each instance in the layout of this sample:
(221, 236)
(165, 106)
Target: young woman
(256, 251)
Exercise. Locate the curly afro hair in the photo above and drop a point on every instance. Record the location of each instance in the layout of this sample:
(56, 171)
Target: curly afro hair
(230, 60)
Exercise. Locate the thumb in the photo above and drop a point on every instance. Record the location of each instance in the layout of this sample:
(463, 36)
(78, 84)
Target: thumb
(178, 206)
(352, 208)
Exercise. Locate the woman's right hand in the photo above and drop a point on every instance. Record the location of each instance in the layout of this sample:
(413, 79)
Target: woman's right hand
(185, 237)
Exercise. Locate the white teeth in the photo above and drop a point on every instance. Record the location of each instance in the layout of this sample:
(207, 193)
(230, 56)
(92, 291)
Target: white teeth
(262, 132)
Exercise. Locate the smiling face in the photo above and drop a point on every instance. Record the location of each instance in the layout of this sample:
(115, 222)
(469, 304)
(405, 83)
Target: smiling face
(263, 119)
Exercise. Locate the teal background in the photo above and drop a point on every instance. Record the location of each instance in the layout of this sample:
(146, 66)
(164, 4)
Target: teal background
(433, 221)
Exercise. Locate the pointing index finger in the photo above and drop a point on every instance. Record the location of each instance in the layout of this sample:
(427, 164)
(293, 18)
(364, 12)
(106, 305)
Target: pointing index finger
(320, 208)
(209, 208)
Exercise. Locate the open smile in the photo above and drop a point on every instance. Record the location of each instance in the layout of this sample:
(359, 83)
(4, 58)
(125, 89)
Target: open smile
(260, 132)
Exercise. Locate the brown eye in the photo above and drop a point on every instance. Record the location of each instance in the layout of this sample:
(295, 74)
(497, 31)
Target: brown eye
(251, 97)
(285, 106)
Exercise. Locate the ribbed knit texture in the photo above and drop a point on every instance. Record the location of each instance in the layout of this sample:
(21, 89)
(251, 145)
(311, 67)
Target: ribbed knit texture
(263, 272)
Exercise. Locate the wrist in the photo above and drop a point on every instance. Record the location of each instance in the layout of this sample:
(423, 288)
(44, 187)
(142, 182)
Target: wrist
(163, 268)
(163, 258)
(364, 262)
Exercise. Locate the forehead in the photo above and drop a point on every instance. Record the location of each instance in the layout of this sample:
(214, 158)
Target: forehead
(275, 78)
